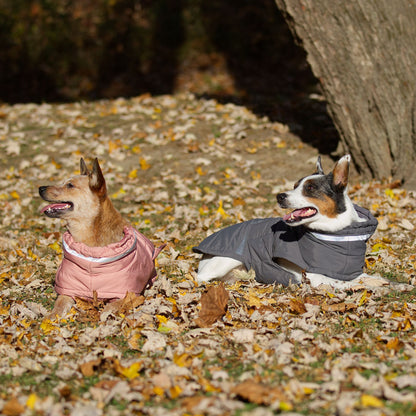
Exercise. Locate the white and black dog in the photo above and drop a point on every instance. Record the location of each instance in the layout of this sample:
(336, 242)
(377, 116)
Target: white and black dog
(322, 240)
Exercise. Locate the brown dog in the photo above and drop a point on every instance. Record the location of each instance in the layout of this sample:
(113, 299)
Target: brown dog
(104, 257)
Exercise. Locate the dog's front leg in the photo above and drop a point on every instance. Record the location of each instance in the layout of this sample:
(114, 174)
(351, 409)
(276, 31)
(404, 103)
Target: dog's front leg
(63, 305)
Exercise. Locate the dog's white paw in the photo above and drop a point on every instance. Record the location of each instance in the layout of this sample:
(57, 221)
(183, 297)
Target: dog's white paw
(216, 267)
(364, 280)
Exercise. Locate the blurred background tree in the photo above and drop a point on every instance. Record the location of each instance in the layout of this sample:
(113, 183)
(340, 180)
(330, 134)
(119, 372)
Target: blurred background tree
(239, 51)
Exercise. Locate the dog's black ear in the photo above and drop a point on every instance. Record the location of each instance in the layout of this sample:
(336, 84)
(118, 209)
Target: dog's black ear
(340, 172)
(97, 181)
(319, 169)
(83, 167)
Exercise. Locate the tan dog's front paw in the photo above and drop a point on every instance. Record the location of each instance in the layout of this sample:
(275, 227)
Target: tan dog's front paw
(63, 305)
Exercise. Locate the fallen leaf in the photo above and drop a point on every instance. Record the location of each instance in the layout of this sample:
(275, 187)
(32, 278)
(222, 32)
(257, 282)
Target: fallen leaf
(213, 305)
(297, 306)
(258, 393)
(13, 408)
(89, 368)
(130, 301)
(370, 401)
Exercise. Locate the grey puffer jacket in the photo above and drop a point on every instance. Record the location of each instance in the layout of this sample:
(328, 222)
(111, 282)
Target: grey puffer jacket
(260, 242)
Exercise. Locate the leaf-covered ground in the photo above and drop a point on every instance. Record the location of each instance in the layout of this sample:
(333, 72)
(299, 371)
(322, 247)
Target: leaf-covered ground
(180, 168)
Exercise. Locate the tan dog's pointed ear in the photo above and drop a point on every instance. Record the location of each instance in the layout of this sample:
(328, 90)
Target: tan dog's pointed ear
(97, 181)
(83, 167)
(340, 172)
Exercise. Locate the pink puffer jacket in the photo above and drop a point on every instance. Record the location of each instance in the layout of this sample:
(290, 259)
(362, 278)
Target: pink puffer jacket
(111, 271)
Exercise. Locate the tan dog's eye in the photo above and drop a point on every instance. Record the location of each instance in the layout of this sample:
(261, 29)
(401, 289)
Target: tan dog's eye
(69, 185)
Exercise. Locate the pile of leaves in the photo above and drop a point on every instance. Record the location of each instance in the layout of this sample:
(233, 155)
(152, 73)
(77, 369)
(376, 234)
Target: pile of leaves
(180, 168)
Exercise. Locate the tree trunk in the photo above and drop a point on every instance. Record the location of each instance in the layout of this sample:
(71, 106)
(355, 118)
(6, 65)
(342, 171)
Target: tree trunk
(363, 53)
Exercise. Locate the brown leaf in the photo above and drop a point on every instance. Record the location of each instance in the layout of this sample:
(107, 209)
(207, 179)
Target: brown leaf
(335, 307)
(13, 408)
(394, 344)
(190, 402)
(89, 368)
(66, 392)
(129, 302)
(90, 308)
(213, 305)
(338, 307)
(296, 306)
(106, 384)
(258, 393)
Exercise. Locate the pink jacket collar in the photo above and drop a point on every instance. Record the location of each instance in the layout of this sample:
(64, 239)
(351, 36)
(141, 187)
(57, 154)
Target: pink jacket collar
(111, 271)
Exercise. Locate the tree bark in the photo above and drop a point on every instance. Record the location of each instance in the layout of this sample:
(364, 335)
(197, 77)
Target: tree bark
(363, 52)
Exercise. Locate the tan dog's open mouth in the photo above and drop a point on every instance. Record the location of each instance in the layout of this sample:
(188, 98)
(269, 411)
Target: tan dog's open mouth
(57, 209)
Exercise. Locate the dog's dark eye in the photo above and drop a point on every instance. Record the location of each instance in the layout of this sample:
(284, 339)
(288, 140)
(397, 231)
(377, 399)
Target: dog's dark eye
(69, 185)
(310, 186)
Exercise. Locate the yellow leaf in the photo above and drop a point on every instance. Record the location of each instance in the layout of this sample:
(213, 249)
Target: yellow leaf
(31, 401)
(131, 372)
(24, 323)
(371, 401)
(56, 164)
(407, 325)
(14, 195)
(136, 149)
(363, 298)
(46, 326)
(143, 164)
(174, 392)
(200, 172)
(281, 145)
(133, 174)
(203, 210)
(112, 146)
(162, 319)
(20, 252)
(159, 391)
(208, 387)
(56, 247)
(117, 194)
(255, 175)
(221, 211)
(182, 360)
(253, 299)
(378, 247)
(390, 193)
(31, 254)
(285, 406)
(257, 348)
(4, 310)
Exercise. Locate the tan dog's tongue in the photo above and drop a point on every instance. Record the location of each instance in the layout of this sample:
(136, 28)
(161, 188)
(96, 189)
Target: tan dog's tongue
(54, 206)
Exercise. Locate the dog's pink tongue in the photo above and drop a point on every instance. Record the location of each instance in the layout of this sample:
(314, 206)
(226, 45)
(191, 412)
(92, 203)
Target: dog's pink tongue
(287, 216)
(291, 215)
(54, 206)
